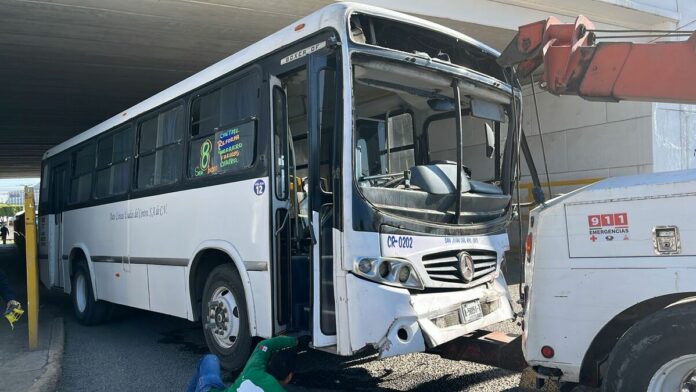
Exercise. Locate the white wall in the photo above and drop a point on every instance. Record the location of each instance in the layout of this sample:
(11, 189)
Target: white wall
(674, 137)
(674, 126)
(586, 139)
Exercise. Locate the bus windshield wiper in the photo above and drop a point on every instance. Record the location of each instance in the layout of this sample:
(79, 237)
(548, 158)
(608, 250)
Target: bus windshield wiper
(460, 152)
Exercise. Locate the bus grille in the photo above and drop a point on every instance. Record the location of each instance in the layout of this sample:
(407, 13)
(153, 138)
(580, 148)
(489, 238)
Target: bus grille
(442, 266)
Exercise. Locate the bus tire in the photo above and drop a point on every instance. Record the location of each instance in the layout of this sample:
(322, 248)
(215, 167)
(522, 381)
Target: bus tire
(225, 317)
(656, 353)
(87, 310)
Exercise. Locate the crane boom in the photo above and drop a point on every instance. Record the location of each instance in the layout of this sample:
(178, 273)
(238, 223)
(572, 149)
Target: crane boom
(574, 64)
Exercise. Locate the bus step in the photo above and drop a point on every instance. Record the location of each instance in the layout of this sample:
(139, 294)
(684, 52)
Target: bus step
(489, 348)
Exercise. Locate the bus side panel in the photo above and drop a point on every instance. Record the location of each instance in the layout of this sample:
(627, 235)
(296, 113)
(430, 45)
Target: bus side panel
(165, 231)
(168, 290)
(101, 232)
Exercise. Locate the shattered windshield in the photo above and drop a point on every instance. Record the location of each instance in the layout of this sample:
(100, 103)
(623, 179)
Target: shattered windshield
(404, 137)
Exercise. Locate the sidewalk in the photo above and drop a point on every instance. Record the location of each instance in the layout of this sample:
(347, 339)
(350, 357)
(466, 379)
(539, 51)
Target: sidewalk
(21, 369)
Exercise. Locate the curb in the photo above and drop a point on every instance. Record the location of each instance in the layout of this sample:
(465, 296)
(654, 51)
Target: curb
(48, 381)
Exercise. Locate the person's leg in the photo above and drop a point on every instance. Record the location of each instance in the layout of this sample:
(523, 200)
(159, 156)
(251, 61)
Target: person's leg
(194, 380)
(209, 374)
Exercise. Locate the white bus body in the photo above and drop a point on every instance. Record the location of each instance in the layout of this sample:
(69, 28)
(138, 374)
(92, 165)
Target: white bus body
(606, 261)
(147, 206)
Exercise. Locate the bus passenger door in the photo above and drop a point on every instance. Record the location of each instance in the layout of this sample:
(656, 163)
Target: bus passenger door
(324, 194)
(59, 192)
(281, 266)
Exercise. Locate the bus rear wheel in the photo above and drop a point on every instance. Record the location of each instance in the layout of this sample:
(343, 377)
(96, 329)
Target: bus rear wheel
(225, 317)
(87, 310)
(657, 354)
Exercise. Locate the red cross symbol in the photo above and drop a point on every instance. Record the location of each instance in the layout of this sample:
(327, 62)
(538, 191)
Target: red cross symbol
(593, 238)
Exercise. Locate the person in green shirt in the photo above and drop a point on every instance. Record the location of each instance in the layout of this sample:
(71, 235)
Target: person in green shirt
(269, 368)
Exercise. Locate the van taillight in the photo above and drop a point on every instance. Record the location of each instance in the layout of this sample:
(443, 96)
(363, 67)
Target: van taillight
(528, 247)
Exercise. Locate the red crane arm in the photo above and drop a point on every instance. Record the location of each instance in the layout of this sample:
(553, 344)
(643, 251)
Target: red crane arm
(609, 71)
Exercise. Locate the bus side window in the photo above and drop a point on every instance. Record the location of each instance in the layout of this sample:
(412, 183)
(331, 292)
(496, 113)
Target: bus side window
(81, 178)
(223, 128)
(159, 149)
(280, 139)
(45, 180)
(113, 163)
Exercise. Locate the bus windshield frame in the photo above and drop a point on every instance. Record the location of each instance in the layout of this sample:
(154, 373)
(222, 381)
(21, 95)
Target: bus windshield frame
(410, 97)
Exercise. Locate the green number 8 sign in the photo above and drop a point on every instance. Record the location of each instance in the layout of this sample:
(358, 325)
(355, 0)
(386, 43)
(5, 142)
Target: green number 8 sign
(205, 153)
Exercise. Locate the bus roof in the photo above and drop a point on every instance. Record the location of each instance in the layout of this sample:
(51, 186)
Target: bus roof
(333, 15)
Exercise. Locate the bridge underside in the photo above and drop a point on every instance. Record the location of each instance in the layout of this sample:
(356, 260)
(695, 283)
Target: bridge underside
(66, 65)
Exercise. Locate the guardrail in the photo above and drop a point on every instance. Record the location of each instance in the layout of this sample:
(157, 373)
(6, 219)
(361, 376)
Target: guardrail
(555, 184)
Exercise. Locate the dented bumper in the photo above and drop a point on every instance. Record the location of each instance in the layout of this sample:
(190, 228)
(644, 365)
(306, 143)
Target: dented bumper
(395, 321)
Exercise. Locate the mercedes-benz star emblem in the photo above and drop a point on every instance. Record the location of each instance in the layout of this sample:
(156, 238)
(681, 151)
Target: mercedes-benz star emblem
(466, 267)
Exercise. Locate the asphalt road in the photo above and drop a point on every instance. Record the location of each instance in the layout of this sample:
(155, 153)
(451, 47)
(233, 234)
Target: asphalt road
(147, 351)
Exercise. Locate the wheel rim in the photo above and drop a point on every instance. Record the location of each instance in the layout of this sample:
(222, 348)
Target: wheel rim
(81, 292)
(223, 317)
(678, 375)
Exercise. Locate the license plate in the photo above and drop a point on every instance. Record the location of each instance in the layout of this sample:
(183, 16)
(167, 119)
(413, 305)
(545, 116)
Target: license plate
(471, 311)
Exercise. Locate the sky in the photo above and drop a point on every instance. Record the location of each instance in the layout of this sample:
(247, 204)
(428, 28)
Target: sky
(16, 183)
(7, 185)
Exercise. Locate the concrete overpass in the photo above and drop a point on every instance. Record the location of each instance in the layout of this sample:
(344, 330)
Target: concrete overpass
(66, 65)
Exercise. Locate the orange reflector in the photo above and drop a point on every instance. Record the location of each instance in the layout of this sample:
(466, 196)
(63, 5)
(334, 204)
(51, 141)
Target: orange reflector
(299, 27)
(547, 352)
(528, 244)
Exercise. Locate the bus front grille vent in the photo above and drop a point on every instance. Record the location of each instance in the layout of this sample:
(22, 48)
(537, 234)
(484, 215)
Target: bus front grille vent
(444, 266)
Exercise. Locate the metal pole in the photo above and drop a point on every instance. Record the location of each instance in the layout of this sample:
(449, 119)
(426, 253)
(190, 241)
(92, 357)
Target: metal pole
(32, 277)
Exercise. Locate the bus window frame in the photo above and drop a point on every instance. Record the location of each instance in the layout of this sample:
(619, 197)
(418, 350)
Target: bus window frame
(251, 171)
(106, 135)
(282, 187)
(73, 162)
(46, 166)
(181, 142)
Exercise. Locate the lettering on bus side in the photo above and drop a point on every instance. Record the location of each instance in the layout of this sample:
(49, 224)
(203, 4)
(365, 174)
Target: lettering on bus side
(138, 213)
(302, 53)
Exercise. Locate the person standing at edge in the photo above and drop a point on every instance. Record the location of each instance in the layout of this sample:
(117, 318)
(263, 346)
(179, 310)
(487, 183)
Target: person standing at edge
(269, 368)
(4, 232)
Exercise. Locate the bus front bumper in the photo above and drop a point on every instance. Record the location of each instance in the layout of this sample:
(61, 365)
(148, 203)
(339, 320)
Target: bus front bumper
(395, 321)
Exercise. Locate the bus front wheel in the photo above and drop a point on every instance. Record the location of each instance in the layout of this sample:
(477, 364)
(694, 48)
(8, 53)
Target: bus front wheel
(87, 310)
(225, 318)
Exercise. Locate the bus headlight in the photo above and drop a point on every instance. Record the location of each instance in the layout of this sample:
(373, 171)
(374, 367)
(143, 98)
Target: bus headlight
(365, 265)
(404, 273)
(389, 271)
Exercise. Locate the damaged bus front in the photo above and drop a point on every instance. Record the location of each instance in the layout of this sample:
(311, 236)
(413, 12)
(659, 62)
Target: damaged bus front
(429, 150)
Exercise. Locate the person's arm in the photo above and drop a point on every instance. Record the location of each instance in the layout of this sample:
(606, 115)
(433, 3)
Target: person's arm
(263, 351)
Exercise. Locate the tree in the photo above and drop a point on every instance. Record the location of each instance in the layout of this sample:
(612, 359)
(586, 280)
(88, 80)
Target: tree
(9, 210)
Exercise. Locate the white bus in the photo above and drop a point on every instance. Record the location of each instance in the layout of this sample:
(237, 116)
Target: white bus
(307, 184)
